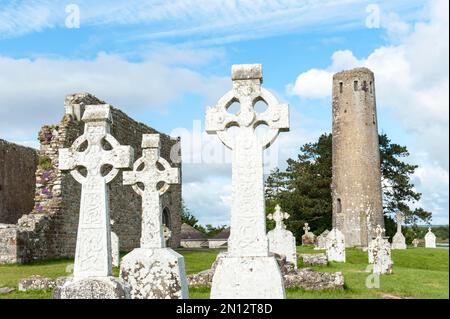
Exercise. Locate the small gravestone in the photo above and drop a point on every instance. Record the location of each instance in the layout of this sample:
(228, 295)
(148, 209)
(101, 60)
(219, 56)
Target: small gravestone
(379, 252)
(308, 238)
(415, 242)
(398, 241)
(281, 241)
(321, 241)
(94, 150)
(430, 239)
(115, 248)
(335, 245)
(153, 270)
(247, 271)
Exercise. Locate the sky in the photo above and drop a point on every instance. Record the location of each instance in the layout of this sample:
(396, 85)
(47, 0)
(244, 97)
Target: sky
(164, 62)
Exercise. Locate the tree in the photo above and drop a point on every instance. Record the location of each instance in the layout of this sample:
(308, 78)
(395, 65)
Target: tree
(186, 215)
(303, 189)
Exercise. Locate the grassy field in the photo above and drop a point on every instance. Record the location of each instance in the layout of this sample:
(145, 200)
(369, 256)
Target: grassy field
(418, 273)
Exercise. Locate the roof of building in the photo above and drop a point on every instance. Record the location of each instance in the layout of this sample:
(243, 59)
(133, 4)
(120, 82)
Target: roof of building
(223, 235)
(190, 233)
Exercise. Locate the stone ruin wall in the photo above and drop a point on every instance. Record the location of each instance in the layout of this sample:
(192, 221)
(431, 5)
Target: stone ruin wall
(50, 230)
(17, 184)
(356, 186)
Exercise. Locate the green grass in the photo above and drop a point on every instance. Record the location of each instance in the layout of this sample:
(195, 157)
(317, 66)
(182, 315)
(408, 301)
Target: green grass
(418, 273)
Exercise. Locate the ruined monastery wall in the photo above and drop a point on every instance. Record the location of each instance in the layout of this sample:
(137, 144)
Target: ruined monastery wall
(17, 181)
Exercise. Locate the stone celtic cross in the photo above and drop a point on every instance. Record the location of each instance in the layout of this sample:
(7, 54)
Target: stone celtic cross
(400, 219)
(379, 231)
(278, 216)
(248, 224)
(92, 152)
(147, 172)
(306, 228)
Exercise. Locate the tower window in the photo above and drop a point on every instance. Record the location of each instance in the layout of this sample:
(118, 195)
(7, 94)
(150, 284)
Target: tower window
(373, 118)
(341, 87)
(338, 206)
(364, 87)
(355, 86)
(370, 87)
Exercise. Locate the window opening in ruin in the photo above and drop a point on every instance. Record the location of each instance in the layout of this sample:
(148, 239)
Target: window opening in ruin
(370, 87)
(341, 87)
(339, 206)
(355, 85)
(373, 118)
(364, 87)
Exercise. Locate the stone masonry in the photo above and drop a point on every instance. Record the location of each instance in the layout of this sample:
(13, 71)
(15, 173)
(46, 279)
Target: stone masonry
(17, 181)
(356, 185)
(49, 231)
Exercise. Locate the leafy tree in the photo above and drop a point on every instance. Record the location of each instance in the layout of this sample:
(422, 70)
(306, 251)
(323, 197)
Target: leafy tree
(186, 215)
(303, 189)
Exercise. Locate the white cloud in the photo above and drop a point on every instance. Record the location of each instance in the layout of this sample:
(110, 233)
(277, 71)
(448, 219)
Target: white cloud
(37, 87)
(217, 21)
(412, 81)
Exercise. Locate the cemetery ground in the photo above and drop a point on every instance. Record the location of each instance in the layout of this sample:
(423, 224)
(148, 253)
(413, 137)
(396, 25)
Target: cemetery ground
(418, 273)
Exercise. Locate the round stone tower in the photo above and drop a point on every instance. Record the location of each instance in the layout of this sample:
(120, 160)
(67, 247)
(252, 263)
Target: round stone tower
(356, 186)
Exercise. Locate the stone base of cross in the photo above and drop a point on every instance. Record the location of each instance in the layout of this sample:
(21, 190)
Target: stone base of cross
(247, 271)
(398, 241)
(153, 271)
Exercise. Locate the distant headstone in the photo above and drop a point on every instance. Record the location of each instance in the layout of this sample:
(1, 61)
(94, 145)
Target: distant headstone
(308, 238)
(92, 269)
(335, 245)
(415, 242)
(115, 248)
(430, 239)
(153, 271)
(247, 271)
(379, 253)
(282, 241)
(321, 241)
(399, 241)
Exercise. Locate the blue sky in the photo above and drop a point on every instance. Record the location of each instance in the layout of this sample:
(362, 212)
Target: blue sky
(163, 62)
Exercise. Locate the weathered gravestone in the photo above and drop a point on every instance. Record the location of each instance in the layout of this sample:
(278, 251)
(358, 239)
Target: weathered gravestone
(308, 238)
(399, 241)
(97, 152)
(379, 252)
(415, 242)
(281, 241)
(153, 271)
(321, 240)
(335, 245)
(430, 239)
(115, 248)
(248, 271)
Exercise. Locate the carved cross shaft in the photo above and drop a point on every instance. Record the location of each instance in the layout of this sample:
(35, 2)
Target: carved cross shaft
(400, 219)
(278, 216)
(248, 224)
(93, 256)
(146, 172)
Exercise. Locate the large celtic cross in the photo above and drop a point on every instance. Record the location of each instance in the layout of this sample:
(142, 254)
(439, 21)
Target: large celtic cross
(248, 224)
(400, 219)
(94, 160)
(149, 170)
